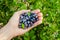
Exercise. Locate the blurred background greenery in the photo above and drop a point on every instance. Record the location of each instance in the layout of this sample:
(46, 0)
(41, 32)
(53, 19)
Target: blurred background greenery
(48, 30)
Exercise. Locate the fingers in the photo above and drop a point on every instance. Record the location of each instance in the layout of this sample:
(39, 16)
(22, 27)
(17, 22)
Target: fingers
(36, 11)
(40, 16)
(22, 11)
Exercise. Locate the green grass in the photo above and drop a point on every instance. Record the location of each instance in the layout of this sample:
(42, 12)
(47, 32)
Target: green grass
(48, 30)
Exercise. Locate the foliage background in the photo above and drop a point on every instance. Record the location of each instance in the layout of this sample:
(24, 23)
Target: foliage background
(48, 30)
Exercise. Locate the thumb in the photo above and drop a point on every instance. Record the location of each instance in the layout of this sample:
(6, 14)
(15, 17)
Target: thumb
(20, 12)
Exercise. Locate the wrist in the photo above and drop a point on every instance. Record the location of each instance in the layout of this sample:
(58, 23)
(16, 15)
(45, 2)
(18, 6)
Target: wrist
(6, 33)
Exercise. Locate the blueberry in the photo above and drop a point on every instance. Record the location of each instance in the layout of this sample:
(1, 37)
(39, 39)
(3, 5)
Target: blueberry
(23, 14)
(32, 23)
(20, 21)
(26, 14)
(26, 24)
(24, 20)
(32, 13)
(29, 25)
(19, 26)
(36, 19)
(35, 15)
(21, 17)
(31, 20)
(31, 16)
(27, 17)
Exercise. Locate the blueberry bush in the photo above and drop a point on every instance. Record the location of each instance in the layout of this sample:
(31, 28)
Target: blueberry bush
(50, 27)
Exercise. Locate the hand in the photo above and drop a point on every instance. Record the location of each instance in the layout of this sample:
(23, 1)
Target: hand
(12, 25)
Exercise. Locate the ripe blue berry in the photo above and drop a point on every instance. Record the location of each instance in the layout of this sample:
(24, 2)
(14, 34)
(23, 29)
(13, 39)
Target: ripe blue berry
(26, 14)
(20, 21)
(28, 22)
(29, 25)
(24, 20)
(21, 17)
(27, 18)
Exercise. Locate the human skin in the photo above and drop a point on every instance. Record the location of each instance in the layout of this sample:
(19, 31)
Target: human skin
(11, 29)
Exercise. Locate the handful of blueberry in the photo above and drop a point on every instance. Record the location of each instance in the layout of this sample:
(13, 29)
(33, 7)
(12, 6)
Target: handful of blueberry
(27, 19)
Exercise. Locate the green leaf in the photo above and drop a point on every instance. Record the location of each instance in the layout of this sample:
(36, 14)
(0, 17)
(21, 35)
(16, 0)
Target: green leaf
(23, 25)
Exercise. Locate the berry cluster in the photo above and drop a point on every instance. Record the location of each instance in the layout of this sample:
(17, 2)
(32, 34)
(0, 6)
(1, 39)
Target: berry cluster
(27, 19)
